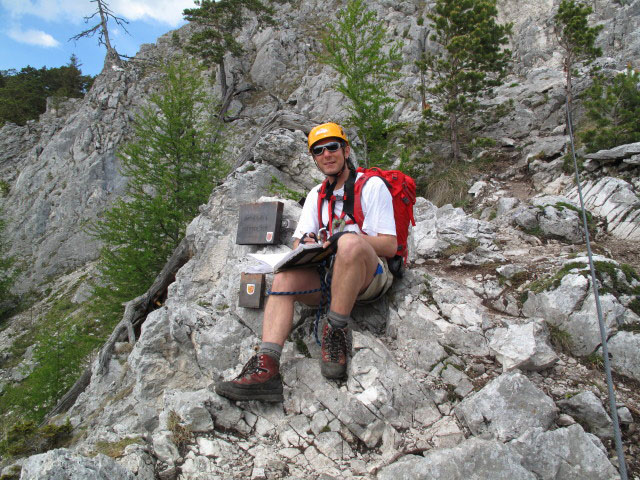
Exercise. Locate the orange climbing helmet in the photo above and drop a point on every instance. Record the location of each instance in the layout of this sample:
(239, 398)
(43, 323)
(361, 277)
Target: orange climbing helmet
(326, 130)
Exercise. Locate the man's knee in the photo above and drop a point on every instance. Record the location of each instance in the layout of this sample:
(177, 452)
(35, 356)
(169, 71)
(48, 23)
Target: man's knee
(353, 248)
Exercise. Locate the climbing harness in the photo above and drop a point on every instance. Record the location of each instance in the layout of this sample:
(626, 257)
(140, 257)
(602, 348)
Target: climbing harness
(325, 270)
(603, 334)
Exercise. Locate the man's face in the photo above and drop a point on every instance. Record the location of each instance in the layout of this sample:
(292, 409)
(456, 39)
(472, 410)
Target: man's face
(330, 163)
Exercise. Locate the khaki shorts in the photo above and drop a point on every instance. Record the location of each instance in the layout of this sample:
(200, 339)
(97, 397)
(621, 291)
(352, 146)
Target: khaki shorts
(379, 285)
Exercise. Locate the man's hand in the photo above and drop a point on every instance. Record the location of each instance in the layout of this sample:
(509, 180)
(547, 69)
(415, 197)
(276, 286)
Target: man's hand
(309, 238)
(306, 238)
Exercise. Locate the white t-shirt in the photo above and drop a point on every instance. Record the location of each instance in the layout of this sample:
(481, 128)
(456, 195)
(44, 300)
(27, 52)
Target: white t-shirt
(377, 208)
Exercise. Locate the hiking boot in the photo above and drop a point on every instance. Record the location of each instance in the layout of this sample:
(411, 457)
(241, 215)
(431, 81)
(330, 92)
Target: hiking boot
(259, 380)
(333, 363)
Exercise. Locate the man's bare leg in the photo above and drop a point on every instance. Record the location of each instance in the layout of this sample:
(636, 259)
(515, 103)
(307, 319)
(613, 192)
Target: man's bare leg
(278, 314)
(353, 270)
(260, 378)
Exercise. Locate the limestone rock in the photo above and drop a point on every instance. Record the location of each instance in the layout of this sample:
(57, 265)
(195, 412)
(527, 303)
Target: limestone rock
(507, 407)
(614, 199)
(588, 410)
(437, 228)
(506, 204)
(525, 347)
(62, 464)
(564, 454)
(557, 305)
(616, 153)
(457, 379)
(624, 349)
(526, 217)
(474, 458)
(384, 388)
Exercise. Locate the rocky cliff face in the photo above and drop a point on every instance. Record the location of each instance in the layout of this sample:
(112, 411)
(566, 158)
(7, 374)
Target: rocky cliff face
(478, 363)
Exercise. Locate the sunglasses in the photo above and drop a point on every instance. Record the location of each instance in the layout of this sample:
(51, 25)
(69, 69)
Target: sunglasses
(331, 146)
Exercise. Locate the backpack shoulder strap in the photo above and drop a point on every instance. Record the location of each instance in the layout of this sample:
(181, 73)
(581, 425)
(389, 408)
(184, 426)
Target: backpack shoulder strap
(367, 173)
(322, 194)
(350, 195)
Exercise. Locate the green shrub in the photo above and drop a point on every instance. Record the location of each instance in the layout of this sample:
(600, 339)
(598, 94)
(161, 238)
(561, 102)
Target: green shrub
(614, 106)
(276, 187)
(25, 438)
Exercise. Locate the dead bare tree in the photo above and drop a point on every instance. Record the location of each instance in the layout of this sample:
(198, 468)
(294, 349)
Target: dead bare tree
(101, 28)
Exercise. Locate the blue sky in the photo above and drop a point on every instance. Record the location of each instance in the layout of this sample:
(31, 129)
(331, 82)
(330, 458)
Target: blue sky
(36, 32)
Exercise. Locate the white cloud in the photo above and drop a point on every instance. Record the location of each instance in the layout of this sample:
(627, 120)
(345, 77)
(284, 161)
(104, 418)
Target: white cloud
(163, 11)
(33, 37)
(52, 10)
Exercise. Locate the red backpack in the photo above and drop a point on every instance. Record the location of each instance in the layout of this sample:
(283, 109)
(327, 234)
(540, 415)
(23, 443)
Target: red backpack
(403, 193)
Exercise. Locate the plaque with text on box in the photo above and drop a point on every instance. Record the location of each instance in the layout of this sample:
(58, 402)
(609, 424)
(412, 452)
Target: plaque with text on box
(259, 223)
(251, 290)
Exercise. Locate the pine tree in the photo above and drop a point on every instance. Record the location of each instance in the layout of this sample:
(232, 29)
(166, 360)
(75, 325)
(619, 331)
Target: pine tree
(471, 61)
(23, 94)
(614, 106)
(576, 38)
(171, 166)
(221, 20)
(356, 46)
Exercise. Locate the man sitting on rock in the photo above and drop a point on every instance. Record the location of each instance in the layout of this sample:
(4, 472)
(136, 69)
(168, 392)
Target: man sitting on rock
(360, 272)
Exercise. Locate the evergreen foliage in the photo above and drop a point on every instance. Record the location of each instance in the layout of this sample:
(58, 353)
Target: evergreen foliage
(470, 62)
(23, 94)
(26, 438)
(356, 46)
(576, 38)
(172, 165)
(221, 20)
(614, 106)
(62, 341)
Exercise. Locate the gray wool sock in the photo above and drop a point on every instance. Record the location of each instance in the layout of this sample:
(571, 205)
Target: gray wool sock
(336, 320)
(272, 349)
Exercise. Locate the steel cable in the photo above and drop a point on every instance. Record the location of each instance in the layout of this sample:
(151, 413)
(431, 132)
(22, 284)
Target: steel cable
(603, 334)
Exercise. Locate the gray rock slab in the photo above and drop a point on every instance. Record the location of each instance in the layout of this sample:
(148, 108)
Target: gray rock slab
(456, 378)
(526, 217)
(525, 347)
(458, 303)
(506, 204)
(547, 147)
(557, 305)
(376, 380)
(561, 223)
(473, 459)
(191, 407)
(310, 388)
(139, 461)
(508, 271)
(62, 464)
(614, 199)
(437, 228)
(480, 256)
(583, 325)
(445, 433)
(507, 407)
(617, 153)
(565, 454)
(588, 410)
(624, 349)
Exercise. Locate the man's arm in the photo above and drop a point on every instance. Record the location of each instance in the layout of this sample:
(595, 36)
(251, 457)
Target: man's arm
(384, 245)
